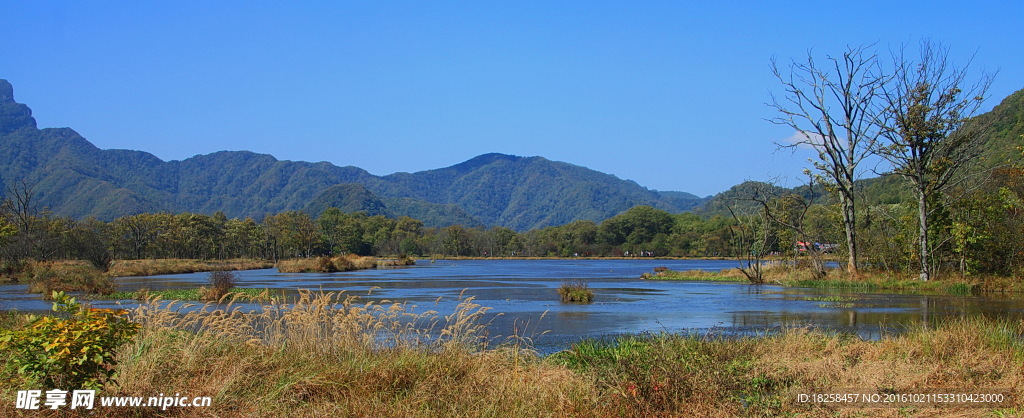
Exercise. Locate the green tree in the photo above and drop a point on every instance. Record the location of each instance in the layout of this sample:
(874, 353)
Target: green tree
(134, 234)
(926, 138)
(455, 240)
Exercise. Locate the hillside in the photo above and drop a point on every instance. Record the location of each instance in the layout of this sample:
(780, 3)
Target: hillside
(1003, 127)
(74, 178)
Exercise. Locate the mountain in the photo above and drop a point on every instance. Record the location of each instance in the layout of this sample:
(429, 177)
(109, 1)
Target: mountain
(349, 197)
(74, 178)
(1002, 130)
(529, 192)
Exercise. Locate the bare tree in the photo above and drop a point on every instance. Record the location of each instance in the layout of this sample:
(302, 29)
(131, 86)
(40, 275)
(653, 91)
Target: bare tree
(35, 237)
(752, 239)
(925, 135)
(833, 107)
(790, 212)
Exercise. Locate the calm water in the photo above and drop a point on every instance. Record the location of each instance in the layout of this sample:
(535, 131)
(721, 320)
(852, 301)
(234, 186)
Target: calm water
(523, 298)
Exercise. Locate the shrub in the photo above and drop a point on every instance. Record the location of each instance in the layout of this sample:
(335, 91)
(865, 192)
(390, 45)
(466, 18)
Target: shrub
(74, 352)
(102, 259)
(326, 265)
(12, 268)
(221, 282)
(576, 291)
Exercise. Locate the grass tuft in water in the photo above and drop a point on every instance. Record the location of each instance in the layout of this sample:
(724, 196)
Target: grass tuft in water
(576, 291)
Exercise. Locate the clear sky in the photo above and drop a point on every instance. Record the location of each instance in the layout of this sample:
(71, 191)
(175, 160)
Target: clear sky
(668, 94)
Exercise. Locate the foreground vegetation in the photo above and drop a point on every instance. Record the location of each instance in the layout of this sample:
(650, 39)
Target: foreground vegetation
(334, 354)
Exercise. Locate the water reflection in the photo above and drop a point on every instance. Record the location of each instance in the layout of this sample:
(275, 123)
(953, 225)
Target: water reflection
(523, 298)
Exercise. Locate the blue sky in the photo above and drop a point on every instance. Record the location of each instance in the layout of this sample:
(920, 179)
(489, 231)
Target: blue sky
(668, 94)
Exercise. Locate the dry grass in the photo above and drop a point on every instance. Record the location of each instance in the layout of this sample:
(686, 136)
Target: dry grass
(46, 277)
(330, 354)
(729, 275)
(327, 264)
(763, 376)
(397, 262)
(125, 268)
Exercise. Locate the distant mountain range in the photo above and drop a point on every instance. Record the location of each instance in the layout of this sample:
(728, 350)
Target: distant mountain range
(74, 178)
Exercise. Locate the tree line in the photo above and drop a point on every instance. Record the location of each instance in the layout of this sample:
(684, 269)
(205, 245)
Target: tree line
(978, 233)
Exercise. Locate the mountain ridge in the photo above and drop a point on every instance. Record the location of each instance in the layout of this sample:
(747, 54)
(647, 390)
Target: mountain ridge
(75, 178)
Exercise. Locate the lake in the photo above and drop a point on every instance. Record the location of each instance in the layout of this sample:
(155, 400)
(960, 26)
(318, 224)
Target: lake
(523, 299)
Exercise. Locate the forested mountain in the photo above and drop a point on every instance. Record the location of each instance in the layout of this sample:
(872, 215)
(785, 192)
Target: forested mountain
(529, 192)
(1003, 126)
(74, 178)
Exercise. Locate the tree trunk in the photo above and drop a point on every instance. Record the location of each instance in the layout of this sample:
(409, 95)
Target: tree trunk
(922, 235)
(849, 223)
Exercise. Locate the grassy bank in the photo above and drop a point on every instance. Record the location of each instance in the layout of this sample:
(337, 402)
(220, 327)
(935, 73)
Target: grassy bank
(125, 268)
(730, 275)
(889, 283)
(46, 277)
(328, 354)
(349, 262)
(193, 294)
(838, 279)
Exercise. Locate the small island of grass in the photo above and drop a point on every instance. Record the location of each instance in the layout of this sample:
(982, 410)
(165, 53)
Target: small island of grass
(576, 291)
(662, 273)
